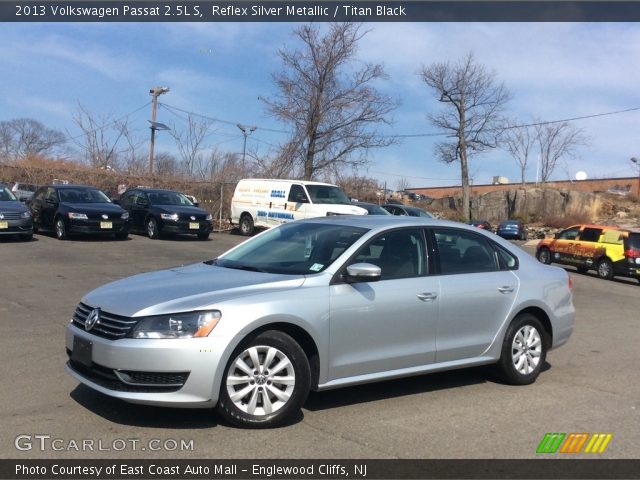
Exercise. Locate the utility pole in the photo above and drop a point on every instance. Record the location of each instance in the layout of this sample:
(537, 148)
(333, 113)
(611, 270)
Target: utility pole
(155, 92)
(636, 162)
(246, 131)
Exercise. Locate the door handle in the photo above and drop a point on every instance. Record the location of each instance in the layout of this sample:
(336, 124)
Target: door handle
(506, 289)
(427, 296)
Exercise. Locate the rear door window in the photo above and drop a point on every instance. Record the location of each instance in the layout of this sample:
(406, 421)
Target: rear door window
(590, 234)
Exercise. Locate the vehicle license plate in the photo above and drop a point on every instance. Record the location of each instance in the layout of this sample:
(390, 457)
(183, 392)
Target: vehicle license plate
(106, 225)
(4, 224)
(82, 351)
(194, 226)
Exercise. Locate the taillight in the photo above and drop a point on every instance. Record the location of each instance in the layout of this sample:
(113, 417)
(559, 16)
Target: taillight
(632, 253)
(570, 282)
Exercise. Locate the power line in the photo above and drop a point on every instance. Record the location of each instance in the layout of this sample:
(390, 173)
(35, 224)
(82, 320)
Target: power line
(113, 122)
(213, 119)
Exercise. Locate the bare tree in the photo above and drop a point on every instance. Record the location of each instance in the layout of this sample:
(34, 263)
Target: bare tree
(472, 116)
(519, 141)
(402, 184)
(99, 138)
(190, 144)
(556, 141)
(329, 100)
(24, 137)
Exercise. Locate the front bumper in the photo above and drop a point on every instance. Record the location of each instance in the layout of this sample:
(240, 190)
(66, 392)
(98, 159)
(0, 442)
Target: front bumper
(98, 227)
(185, 227)
(167, 372)
(16, 227)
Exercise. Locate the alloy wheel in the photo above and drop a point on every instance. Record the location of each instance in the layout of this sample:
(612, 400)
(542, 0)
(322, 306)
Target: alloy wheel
(526, 349)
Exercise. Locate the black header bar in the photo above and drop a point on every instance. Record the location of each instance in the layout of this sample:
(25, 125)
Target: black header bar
(320, 11)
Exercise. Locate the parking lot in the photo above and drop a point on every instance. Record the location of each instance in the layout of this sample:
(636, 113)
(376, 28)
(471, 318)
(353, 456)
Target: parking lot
(590, 385)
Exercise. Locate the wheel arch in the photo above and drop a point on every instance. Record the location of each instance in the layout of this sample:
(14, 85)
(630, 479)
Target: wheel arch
(301, 336)
(541, 315)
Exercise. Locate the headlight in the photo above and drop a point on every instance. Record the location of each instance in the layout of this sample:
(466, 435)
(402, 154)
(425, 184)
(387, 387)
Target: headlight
(25, 214)
(125, 216)
(77, 216)
(178, 325)
(169, 216)
(209, 217)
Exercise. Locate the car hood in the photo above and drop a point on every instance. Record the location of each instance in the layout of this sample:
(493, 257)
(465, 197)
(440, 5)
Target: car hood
(183, 289)
(13, 207)
(180, 209)
(94, 207)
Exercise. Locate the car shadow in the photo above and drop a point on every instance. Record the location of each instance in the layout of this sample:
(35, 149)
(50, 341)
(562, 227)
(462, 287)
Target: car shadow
(620, 280)
(123, 413)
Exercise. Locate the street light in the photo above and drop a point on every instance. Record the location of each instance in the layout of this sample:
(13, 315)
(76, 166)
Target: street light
(155, 92)
(246, 131)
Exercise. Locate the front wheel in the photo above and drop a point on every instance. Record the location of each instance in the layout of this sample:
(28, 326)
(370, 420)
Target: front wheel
(605, 269)
(544, 256)
(524, 350)
(152, 229)
(265, 383)
(61, 229)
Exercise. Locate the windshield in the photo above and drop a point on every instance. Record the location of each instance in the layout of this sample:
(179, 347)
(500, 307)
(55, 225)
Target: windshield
(373, 209)
(6, 195)
(169, 198)
(327, 194)
(293, 248)
(83, 195)
(417, 212)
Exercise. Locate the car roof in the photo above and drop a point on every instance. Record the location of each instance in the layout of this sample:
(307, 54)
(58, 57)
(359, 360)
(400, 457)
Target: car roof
(151, 190)
(383, 221)
(66, 186)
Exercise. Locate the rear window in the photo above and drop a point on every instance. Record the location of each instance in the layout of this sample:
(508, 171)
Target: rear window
(634, 240)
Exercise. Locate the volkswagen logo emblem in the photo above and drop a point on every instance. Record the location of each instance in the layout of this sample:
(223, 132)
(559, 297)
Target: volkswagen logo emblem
(105, 216)
(192, 217)
(92, 319)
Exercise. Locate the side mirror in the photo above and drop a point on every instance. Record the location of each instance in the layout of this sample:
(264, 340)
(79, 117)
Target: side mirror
(141, 202)
(196, 204)
(23, 199)
(362, 272)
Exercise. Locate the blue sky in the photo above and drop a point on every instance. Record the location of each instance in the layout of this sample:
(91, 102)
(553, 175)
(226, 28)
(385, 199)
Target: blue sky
(554, 71)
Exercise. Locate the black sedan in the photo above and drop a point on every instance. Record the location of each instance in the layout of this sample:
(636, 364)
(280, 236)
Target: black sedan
(372, 208)
(512, 229)
(69, 209)
(157, 212)
(15, 217)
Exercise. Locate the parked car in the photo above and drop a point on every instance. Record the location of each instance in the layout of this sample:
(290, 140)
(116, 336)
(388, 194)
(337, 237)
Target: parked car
(70, 209)
(610, 251)
(23, 191)
(159, 212)
(318, 304)
(396, 209)
(512, 229)
(266, 203)
(483, 224)
(15, 217)
(371, 208)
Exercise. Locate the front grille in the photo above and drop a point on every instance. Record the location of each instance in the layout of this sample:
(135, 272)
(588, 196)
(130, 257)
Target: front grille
(108, 378)
(10, 216)
(108, 326)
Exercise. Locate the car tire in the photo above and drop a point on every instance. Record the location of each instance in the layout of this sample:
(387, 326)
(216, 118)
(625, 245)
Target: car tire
(152, 228)
(544, 256)
(524, 350)
(246, 225)
(203, 236)
(60, 229)
(605, 269)
(274, 389)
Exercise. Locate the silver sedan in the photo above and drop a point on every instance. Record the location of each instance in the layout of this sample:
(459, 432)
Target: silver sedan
(320, 304)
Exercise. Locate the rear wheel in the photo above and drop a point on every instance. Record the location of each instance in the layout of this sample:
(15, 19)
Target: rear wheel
(544, 256)
(265, 383)
(61, 229)
(246, 225)
(605, 269)
(524, 350)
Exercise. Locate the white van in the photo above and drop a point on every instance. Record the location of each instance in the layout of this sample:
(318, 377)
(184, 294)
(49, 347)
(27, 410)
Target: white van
(267, 203)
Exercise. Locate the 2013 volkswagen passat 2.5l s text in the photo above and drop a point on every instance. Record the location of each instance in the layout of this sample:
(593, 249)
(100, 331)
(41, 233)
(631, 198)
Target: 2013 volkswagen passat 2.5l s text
(319, 304)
